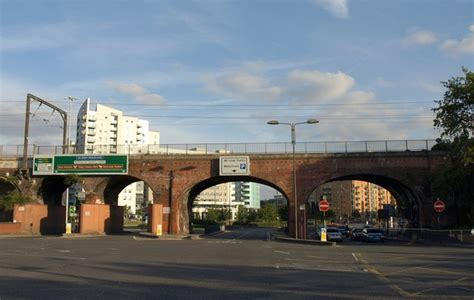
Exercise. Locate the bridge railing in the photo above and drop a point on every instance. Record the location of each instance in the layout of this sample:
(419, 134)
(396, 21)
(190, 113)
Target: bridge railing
(231, 148)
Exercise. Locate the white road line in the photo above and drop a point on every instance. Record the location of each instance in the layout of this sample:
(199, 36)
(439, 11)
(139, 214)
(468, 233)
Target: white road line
(282, 252)
(44, 256)
(355, 257)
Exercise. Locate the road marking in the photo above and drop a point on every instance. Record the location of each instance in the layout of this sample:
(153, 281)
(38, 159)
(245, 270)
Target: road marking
(282, 252)
(45, 256)
(64, 251)
(312, 260)
(440, 286)
(382, 278)
(445, 271)
(355, 257)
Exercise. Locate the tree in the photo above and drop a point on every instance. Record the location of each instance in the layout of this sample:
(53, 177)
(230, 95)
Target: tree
(14, 197)
(355, 214)
(212, 215)
(455, 119)
(242, 215)
(268, 214)
(283, 212)
(454, 114)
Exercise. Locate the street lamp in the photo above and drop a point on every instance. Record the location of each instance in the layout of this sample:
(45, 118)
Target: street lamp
(293, 142)
(68, 122)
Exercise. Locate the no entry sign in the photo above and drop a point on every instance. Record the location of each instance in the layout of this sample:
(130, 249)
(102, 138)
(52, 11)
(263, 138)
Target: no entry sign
(439, 206)
(323, 205)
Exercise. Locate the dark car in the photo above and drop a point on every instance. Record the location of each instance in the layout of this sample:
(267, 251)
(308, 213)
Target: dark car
(372, 235)
(356, 234)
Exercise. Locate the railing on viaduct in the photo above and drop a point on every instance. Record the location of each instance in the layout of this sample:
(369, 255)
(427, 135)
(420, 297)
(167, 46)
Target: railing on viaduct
(230, 148)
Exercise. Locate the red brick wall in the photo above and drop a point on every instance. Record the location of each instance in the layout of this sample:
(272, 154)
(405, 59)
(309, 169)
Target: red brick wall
(32, 217)
(10, 228)
(94, 218)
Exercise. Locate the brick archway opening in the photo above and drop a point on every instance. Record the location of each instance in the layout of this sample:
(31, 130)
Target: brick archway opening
(6, 187)
(121, 216)
(194, 191)
(408, 202)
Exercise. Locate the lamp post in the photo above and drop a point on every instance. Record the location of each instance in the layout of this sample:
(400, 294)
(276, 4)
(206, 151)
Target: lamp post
(293, 142)
(68, 121)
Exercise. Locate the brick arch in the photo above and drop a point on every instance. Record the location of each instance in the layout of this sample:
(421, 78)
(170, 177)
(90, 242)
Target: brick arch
(188, 195)
(114, 186)
(52, 189)
(406, 195)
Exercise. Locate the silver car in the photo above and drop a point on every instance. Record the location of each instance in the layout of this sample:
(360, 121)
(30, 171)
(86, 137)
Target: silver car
(333, 234)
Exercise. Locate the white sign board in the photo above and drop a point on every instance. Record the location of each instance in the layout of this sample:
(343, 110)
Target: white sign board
(234, 165)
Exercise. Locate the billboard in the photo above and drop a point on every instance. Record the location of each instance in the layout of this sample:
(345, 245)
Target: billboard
(81, 164)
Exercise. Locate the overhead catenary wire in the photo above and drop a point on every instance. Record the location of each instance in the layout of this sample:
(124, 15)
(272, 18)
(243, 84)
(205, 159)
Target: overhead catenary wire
(127, 103)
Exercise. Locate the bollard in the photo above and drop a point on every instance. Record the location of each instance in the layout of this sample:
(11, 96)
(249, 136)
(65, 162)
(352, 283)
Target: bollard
(159, 229)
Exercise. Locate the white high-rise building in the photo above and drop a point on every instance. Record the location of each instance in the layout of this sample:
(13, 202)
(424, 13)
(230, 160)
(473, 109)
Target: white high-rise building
(106, 130)
(228, 196)
(248, 193)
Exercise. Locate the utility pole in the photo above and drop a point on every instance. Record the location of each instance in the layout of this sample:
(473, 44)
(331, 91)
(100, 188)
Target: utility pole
(62, 113)
(68, 151)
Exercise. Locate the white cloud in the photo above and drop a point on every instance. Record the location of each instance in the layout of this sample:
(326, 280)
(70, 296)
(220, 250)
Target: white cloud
(459, 47)
(338, 8)
(315, 86)
(140, 93)
(456, 47)
(244, 86)
(421, 37)
(130, 88)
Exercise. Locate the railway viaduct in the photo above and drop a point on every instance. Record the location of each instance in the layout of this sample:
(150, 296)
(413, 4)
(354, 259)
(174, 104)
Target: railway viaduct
(177, 179)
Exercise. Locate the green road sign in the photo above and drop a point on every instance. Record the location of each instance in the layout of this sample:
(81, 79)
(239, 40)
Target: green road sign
(43, 165)
(82, 164)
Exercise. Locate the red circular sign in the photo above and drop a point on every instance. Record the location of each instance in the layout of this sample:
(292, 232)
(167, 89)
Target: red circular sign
(439, 206)
(323, 205)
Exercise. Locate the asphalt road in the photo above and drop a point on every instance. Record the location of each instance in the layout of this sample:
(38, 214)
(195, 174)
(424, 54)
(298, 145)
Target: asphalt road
(241, 264)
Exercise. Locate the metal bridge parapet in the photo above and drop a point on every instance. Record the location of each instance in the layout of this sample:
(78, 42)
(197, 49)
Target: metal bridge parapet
(232, 148)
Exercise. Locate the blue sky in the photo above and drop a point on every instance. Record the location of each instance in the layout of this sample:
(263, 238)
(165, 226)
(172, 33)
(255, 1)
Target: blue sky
(216, 71)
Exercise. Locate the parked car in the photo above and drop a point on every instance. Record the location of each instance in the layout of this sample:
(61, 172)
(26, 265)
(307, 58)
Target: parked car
(333, 234)
(343, 230)
(372, 235)
(356, 234)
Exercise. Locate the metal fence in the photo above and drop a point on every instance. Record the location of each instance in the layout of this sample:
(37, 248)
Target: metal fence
(433, 236)
(230, 148)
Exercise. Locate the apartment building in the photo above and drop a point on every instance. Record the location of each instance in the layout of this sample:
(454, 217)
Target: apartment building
(338, 194)
(227, 196)
(105, 130)
(369, 198)
(344, 197)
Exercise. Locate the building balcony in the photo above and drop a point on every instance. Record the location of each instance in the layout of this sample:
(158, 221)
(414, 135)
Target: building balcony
(91, 140)
(114, 122)
(91, 132)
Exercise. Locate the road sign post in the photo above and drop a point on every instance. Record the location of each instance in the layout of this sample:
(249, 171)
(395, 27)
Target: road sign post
(324, 207)
(439, 207)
